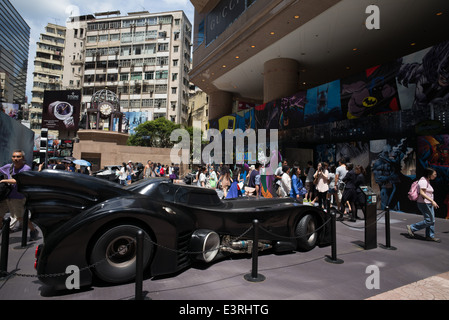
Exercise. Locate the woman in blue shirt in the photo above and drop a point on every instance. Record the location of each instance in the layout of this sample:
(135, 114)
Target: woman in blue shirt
(297, 191)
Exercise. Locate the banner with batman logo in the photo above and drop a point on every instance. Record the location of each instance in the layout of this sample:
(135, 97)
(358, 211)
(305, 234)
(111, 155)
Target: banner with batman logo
(372, 92)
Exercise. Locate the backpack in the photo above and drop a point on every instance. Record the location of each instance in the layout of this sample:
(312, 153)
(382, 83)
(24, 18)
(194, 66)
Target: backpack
(413, 193)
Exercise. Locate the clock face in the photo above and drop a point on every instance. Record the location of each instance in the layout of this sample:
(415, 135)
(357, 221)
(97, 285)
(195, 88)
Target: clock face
(63, 110)
(105, 109)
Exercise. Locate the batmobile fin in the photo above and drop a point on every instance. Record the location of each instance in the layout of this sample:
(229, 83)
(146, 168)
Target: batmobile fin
(55, 196)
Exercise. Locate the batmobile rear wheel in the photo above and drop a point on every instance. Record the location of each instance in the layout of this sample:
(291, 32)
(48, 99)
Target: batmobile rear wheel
(114, 254)
(305, 232)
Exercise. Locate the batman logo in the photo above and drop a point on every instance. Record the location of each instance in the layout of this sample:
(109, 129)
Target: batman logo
(369, 102)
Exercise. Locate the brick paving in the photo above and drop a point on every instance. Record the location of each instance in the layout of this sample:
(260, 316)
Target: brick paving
(432, 288)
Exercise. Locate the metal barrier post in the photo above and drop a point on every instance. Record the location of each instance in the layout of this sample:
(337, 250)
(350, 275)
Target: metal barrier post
(333, 258)
(24, 228)
(254, 276)
(139, 265)
(387, 231)
(5, 247)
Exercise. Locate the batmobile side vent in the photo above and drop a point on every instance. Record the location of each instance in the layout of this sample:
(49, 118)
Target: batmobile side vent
(183, 247)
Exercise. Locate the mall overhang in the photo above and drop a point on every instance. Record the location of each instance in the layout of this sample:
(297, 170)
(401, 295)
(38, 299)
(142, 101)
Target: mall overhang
(328, 38)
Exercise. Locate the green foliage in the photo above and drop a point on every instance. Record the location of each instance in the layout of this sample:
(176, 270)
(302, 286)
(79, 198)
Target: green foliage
(154, 133)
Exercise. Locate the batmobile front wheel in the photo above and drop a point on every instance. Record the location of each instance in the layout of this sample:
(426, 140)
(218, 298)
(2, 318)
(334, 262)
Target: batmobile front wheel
(305, 232)
(114, 254)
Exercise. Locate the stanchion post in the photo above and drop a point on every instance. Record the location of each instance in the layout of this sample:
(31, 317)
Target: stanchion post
(387, 245)
(139, 265)
(333, 258)
(5, 247)
(25, 228)
(254, 276)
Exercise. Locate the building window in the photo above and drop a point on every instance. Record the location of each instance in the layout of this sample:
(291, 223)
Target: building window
(162, 75)
(136, 76)
(200, 35)
(149, 75)
(162, 47)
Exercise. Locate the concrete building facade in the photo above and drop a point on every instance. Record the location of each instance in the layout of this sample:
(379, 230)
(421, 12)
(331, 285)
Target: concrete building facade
(143, 58)
(48, 69)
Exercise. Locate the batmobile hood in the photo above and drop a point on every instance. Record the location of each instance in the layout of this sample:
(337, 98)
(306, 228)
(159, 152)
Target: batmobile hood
(55, 196)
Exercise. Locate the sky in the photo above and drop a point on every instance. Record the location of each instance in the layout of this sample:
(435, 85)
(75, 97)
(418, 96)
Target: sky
(38, 13)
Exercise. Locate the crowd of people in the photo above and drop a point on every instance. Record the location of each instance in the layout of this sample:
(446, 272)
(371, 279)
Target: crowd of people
(130, 172)
(315, 186)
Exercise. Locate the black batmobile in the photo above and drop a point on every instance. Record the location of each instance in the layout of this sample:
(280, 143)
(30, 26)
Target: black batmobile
(92, 224)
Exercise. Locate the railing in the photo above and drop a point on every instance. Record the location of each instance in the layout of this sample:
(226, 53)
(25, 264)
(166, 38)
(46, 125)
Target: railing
(139, 240)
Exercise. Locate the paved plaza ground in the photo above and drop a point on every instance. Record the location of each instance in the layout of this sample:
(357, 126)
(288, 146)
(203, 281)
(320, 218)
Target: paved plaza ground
(417, 269)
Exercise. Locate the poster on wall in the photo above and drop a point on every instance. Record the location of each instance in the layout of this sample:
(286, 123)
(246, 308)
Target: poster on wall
(61, 110)
(393, 168)
(323, 103)
(371, 92)
(433, 152)
(292, 111)
(132, 119)
(326, 153)
(356, 152)
(11, 110)
(267, 115)
(245, 120)
(423, 78)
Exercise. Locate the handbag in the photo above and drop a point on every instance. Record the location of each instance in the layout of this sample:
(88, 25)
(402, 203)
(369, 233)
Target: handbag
(341, 186)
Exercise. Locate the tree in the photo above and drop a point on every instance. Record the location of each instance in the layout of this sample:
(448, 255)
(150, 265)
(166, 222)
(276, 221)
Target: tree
(154, 134)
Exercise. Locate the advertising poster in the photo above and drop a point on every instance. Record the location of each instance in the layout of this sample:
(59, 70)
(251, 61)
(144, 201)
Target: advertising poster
(393, 168)
(11, 110)
(133, 119)
(245, 120)
(423, 79)
(323, 104)
(267, 115)
(292, 111)
(61, 110)
(372, 92)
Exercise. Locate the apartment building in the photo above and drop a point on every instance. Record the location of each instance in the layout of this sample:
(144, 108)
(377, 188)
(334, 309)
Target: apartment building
(48, 69)
(74, 53)
(144, 58)
(199, 108)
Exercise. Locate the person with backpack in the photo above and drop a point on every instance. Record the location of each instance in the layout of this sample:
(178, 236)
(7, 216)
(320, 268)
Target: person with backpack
(426, 205)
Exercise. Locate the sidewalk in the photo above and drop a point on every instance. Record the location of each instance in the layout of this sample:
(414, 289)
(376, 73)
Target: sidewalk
(418, 269)
(432, 288)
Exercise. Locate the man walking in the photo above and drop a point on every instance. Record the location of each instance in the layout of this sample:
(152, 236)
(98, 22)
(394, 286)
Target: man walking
(15, 203)
(340, 173)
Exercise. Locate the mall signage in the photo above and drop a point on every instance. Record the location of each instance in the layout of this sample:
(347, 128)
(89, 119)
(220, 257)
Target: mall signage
(222, 16)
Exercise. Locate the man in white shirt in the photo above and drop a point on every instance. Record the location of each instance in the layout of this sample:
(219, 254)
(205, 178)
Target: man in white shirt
(340, 173)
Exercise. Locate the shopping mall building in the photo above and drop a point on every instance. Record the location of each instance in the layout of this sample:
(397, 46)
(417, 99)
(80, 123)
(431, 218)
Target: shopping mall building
(362, 79)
